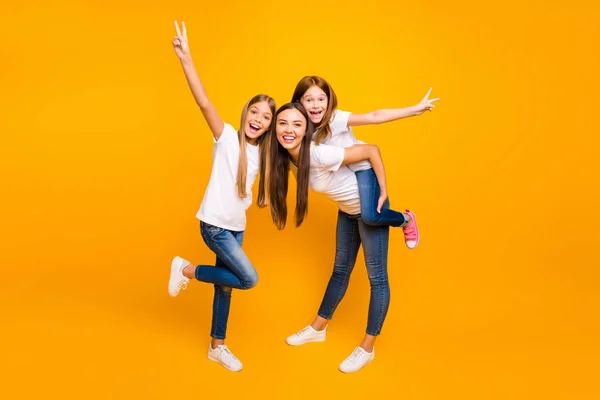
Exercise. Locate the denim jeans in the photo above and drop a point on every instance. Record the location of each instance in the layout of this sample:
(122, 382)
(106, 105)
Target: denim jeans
(350, 233)
(368, 190)
(232, 269)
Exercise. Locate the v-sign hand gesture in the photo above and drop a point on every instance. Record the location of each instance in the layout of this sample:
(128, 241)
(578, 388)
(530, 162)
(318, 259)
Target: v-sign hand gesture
(182, 49)
(180, 42)
(426, 104)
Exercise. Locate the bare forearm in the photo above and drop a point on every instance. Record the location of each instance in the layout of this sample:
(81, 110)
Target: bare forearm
(382, 116)
(377, 163)
(194, 82)
(392, 114)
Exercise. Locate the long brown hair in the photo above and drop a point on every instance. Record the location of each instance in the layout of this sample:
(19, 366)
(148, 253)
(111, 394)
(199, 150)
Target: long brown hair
(279, 166)
(323, 130)
(263, 143)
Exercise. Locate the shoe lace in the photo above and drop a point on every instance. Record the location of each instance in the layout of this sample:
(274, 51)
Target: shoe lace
(226, 354)
(304, 331)
(355, 355)
(183, 285)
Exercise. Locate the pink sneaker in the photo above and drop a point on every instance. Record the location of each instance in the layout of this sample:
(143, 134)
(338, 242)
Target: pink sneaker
(411, 232)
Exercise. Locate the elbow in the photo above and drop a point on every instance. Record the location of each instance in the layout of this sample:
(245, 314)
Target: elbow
(375, 117)
(372, 152)
(374, 149)
(204, 104)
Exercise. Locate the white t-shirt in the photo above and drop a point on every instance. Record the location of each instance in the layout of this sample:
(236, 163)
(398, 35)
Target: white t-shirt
(342, 136)
(222, 206)
(337, 182)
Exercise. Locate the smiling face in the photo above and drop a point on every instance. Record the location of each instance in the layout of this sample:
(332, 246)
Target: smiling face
(290, 129)
(257, 121)
(315, 102)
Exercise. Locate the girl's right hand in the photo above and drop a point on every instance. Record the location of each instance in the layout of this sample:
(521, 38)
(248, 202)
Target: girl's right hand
(180, 42)
(426, 104)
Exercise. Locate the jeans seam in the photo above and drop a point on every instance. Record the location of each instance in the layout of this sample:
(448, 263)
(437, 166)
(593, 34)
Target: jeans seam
(346, 277)
(215, 334)
(378, 319)
(217, 309)
(381, 290)
(387, 281)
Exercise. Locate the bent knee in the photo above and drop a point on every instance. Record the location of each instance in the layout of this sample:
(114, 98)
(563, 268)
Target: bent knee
(251, 282)
(370, 215)
(372, 218)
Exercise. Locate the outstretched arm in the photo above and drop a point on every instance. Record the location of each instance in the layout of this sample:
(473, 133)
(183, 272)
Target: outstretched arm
(392, 114)
(182, 49)
(370, 152)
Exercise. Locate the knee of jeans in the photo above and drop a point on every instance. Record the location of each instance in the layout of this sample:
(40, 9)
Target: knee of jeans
(370, 216)
(340, 269)
(379, 280)
(251, 281)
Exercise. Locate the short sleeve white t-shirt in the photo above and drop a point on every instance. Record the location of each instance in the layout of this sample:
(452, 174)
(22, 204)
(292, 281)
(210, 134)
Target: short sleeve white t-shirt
(222, 206)
(337, 182)
(342, 136)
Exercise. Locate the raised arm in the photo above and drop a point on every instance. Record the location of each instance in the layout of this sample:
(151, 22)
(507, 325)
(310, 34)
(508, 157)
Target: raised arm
(392, 114)
(182, 49)
(370, 152)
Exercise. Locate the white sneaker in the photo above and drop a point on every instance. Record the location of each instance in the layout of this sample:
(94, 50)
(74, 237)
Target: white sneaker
(358, 359)
(225, 357)
(306, 335)
(177, 281)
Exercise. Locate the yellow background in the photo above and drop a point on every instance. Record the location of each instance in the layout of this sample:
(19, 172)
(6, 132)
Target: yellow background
(105, 158)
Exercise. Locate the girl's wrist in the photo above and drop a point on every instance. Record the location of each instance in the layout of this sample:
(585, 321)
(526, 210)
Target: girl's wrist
(186, 59)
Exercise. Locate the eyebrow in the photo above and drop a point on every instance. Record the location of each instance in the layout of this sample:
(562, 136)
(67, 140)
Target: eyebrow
(256, 108)
(296, 120)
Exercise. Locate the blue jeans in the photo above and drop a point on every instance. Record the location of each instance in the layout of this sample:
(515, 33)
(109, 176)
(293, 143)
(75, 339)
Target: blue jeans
(368, 190)
(350, 233)
(232, 269)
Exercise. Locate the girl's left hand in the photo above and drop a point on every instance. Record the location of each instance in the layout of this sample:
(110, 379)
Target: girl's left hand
(426, 104)
(382, 198)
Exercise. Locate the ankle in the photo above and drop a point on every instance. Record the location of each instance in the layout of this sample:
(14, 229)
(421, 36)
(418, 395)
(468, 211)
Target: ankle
(368, 348)
(189, 271)
(318, 326)
(407, 220)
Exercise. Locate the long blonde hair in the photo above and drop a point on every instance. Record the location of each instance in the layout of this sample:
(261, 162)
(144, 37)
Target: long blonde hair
(263, 142)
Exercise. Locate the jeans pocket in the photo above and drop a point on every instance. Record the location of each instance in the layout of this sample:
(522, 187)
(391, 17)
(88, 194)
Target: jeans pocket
(209, 231)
